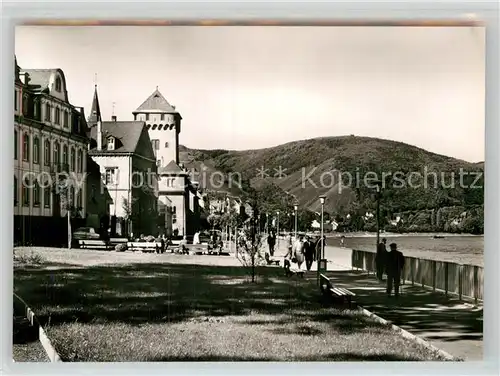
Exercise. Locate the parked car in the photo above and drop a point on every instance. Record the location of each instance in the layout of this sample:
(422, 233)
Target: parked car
(85, 233)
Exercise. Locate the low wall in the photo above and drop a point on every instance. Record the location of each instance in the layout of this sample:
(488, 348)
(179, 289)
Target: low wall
(452, 278)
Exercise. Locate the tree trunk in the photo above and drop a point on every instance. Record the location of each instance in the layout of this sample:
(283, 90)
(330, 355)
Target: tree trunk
(69, 229)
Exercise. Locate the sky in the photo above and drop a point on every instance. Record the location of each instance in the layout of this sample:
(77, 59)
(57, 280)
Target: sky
(260, 86)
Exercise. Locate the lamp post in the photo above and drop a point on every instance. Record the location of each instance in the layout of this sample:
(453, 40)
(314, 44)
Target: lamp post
(295, 208)
(267, 223)
(321, 255)
(278, 227)
(377, 215)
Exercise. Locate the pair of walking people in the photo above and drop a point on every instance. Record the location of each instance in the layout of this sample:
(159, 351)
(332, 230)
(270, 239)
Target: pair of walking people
(391, 262)
(304, 249)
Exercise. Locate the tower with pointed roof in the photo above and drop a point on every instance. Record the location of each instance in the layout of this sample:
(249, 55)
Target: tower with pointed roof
(163, 122)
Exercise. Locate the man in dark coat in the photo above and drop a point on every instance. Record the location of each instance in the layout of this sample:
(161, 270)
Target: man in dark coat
(309, 252)
(395, 262)
(271, 241)
(380, 259)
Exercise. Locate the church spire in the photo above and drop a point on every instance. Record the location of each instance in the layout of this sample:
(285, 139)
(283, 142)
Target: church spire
(95, 112)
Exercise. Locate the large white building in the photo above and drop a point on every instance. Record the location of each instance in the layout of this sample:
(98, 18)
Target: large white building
(49, 139)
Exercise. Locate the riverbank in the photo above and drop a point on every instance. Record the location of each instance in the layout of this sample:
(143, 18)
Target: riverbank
(395, 234)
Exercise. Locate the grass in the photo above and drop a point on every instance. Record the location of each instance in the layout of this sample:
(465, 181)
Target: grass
(165, 310)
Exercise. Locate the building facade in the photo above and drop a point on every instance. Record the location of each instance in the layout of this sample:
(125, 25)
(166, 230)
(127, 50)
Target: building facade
(124, 154)
(50, 152)
(178, 196)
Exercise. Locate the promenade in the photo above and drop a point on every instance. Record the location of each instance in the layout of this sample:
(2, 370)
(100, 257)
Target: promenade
(445, 322)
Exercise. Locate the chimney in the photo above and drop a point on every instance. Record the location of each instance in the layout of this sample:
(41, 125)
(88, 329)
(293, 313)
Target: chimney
(99, 134)
(113, 118)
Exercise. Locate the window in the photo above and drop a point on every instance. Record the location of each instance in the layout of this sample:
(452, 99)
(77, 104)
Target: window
(46, 197)
(65, 155)
(73, 158)
(26, 192)
(111, 143)
(65, 119)
(162, 117)
(174, 214)
(147, 117)
(16, 143)
(36, 111)
(26, 148)
(71, 195)
(58, 84)
(56, 158)
(111, 175)
(166, 144)
(16, 100)
(79, 199)
(47, 153)
(156, 144)
(36, 150)
(25, 105)
(15, 190)
(36, 194)
(48, 109)
(57, 117)
(79, 161)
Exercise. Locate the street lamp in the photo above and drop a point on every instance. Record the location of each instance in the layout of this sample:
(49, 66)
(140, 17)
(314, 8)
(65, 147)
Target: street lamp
(295, 208)
(278, 227)
(378, 192)
(321, 256)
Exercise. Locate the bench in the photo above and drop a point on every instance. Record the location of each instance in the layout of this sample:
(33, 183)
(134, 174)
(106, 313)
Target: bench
(271, 260)
(94, 244)
(146, 247)
(335, 293)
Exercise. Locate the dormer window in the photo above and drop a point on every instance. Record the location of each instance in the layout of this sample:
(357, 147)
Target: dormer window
(58, 84)
(111, 143)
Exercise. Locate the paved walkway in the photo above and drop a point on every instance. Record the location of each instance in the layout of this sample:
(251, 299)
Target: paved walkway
(447, 323)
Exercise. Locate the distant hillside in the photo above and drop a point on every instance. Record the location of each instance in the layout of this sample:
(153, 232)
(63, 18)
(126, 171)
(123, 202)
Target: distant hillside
(317, 158)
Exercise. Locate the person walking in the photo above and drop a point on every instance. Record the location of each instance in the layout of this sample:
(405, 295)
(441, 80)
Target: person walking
(380, 259)
(395, 262)
(271, 241)
(309, 252)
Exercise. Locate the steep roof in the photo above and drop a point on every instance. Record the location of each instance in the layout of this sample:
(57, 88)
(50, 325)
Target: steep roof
(156, 102)
(95, 112)
(171, 169)
(128, 133)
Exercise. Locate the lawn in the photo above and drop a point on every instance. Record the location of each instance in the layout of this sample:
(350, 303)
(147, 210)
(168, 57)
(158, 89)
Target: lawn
(169, 307)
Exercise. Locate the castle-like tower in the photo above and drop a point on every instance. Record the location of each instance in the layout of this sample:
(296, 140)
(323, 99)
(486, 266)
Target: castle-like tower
(164, 125)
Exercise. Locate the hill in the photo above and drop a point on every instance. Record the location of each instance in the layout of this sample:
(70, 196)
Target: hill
(344, 168)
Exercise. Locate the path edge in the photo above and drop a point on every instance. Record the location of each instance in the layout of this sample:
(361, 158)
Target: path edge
(42, 336)
(407, 334)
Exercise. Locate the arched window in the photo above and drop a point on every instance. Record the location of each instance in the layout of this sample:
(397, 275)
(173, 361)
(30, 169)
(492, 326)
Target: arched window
(166, 144)
(47, 194)
(65, 155)
(26, 148)
(36, 194)
(47, 153)
(154, 126)
(48, 110)
(79, 203)
(73, 158)
(15, 190)
(16, 143)
(58, 84)
(26, 191)
(79, 161)
(160, 126)
(36, 150)
(56, 158)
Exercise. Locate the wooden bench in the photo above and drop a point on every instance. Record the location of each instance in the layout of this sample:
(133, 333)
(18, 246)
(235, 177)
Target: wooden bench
(146, 247)
(94, 244)
(335, 293)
